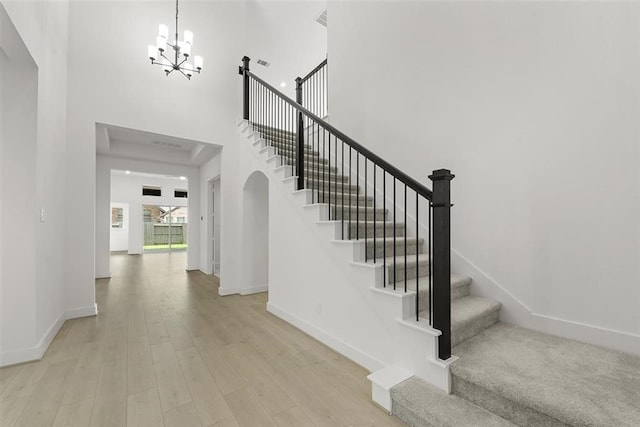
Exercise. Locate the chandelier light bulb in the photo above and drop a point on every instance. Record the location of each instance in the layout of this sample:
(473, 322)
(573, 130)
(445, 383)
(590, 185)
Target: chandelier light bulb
(188, 70)
(153, 52)
(163, 31)
(185, 49)
(197, 62)
(188, 37)
(161, 43)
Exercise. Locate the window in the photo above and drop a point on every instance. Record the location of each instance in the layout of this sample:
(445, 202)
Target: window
(151, 191)
(180, 193)
(117, 215)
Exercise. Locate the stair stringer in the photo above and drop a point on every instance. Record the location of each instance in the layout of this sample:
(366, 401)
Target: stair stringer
(319, 283)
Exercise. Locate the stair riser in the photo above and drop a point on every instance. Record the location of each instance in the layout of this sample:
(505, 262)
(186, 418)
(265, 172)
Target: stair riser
(308, 161)
(293, 145)
(324, 197)
(285, 146)
(275, 136)
(464, 331)
(293, 154)
(338, 214)
(333, 178)
(423, 303)
(273, 131)
(358, 231)
(314, 169)
(411, 248)
(324, 185)
(411, 272)
(498, 404)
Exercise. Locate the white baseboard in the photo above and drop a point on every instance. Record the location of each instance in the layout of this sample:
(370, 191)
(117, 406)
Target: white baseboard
(32, 353)
(517, 312)
(254, 289)
(361, 358)
(77, 313)
(223, 292)
(36, 352)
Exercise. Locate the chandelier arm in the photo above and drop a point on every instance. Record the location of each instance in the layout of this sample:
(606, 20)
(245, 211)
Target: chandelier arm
(170, 63)
(188, 78)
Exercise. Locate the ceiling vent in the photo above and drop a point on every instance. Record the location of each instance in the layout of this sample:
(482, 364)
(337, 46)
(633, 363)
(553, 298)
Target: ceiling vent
(322, 18)
(263, 63)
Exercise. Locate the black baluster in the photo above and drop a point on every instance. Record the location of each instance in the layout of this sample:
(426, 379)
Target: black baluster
(374, 213)
(405, 237)
(384, 238)
(395, 260)
(417, 262)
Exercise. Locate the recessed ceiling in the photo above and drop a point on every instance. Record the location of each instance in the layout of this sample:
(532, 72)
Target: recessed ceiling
(141, 145)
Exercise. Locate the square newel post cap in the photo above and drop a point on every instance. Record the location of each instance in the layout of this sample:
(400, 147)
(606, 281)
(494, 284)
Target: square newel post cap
(441, 174)
(245, 63)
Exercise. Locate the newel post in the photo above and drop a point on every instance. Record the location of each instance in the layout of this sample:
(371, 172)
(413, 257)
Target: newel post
(441, 203)
(300, 137)
(244, 70)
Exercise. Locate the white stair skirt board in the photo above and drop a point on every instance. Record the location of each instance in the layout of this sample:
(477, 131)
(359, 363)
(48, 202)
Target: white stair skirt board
(254, 289)
(383, 380)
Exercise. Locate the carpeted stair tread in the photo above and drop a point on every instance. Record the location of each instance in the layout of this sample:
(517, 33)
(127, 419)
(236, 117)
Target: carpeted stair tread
(459, 285)
(420, 404)
(555, 379)
(470, 315)
(399, 261)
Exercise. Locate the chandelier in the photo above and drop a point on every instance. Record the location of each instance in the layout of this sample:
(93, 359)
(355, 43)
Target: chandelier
(181, 52)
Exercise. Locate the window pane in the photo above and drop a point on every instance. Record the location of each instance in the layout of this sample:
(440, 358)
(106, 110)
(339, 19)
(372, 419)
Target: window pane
(117, 215)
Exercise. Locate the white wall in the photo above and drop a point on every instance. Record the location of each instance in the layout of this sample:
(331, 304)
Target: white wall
(34, 290)
(223, 169)
(534, 107)
(128, 189)
(285, 34)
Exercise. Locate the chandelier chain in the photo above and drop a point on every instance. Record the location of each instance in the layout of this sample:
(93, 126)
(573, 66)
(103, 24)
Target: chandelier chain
(176, 21)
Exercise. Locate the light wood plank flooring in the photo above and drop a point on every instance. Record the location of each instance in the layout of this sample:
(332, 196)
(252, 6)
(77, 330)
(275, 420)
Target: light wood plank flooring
(167, 350)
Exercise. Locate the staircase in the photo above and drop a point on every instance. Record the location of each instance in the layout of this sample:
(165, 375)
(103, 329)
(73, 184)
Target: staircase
(505, 375)
(469, 314)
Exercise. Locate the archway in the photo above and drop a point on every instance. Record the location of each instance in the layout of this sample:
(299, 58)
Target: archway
(255, 234)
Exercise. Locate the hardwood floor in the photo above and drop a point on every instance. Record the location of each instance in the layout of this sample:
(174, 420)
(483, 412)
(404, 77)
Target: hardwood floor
(167, 350)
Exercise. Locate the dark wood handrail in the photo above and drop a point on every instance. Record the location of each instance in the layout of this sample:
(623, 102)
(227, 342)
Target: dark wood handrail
(392, 170)
(312, 72)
